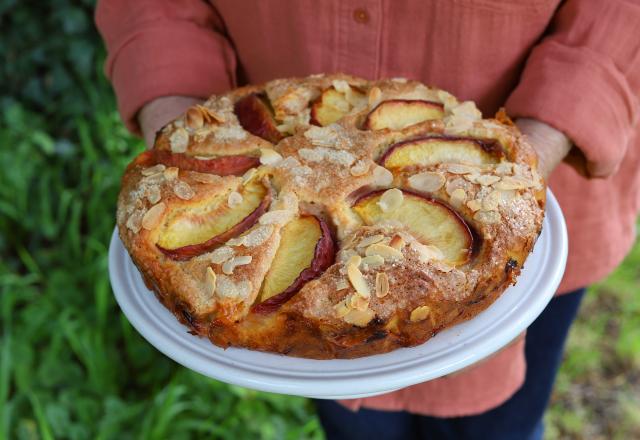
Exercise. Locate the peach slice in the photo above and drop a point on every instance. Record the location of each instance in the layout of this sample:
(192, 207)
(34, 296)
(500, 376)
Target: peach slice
(332, 105)
(256, 116)
(222, 166)
(434, 150)
(306, 250)
(396, 114)
(430, 221)
(202, 227)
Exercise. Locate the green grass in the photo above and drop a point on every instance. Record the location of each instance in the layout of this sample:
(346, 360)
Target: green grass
(71, 366)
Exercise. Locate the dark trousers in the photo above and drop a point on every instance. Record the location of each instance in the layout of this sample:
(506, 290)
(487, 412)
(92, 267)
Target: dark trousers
(519, 418)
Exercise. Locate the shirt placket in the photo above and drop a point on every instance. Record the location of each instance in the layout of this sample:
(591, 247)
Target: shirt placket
(359, 38)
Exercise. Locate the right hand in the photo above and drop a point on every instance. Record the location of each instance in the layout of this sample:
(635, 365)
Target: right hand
(159, 112)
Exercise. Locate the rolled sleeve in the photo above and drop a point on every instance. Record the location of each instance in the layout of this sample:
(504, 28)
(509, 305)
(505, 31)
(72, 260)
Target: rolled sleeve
(161, 49)
(580, 84)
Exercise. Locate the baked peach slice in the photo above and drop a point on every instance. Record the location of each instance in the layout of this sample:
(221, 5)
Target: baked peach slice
(235, 165)
(199, 228)
(255, 114)
(396, 114)
(333, 105)
(433, 150)
(430, 221)
(306, 249)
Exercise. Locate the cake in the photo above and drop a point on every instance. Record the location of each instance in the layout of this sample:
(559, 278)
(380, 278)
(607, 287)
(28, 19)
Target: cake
(331, 216)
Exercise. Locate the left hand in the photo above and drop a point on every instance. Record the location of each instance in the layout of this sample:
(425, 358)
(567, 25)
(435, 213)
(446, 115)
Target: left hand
(551, 145)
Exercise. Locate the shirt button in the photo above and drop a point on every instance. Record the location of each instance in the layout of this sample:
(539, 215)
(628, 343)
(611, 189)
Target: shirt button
(361, 16)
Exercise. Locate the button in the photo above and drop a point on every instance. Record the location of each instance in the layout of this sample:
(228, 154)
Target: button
(361, 16)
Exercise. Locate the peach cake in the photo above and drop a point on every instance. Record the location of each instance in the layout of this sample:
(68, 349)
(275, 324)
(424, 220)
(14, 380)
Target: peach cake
(330, 216)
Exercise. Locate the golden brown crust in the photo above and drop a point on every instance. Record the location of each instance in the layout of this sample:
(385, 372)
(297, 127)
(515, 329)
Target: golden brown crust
(321, 170)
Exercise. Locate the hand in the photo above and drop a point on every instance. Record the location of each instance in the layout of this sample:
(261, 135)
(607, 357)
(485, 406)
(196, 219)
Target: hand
(157, 113)
(551, 145)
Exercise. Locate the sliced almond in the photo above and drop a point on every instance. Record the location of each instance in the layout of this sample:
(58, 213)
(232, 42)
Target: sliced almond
(458, 168)
(153, 194)
(382, 176)
(269, 157)
(487, 179)
(183, 190)
(420, 313)
(372, 262)
(179, 140)
(360, 168)
(382, 284)
(229, 266)
(397, 242)
(234, 199)
(458, 197)
(222, 254)
(210, 282)
(342, 284)
(358, 281)
(359, 318)
(171, 173)
(341, 309)
(385, 251)
(134, 222)
(277, 217)
(371, 239)
(510, 182)
(487, 217)
(153, 216)
(426, 252)
(153, 170)
(391, 200)
(492, 201)
(359, 303)
(474, 205)
(354, 260)
(194, 118)
(428, 181)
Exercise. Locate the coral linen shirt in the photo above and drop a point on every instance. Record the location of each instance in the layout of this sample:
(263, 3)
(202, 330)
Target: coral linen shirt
(575, 66)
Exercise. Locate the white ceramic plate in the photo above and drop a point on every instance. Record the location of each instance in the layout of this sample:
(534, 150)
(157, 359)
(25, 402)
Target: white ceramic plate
(449, 351)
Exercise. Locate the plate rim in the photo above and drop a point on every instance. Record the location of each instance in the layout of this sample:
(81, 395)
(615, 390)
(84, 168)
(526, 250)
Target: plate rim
(326, 385)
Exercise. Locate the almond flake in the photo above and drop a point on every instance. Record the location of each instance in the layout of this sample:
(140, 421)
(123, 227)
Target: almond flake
(492, 201)
(382, 176)
(427, 181)
(194, 118)
(253, 238)
(277, 217)
(210, 282)
(458, 168)
(153, 216)
(504, 168)
(386, 252)
(234, 199)
(371, 239)
(341, 309)
(358, 281)
(134, 222)
(153, 194)
(359, 318)
(179, 140)
(509, 182)
(382, 284)
(360, 168)
(183, 190)
(458, 197)
(487, 179)
(153, 170)
(372, 262)
(354, 260)
(221, 254)
(391, 200)
(248, 175)
(359, 303)
(341, 85)
(269, 157)
(344, 255)
(342, 284)
(426, 252)
(229, 266)
(474, 205)
(420, 313)
(487, 217)
(397, 242)
(171, 173)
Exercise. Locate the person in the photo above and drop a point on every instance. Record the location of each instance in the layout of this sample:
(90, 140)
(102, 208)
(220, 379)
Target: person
(567, 71)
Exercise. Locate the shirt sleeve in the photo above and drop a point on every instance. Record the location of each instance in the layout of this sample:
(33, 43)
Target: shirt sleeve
(163, 47)
(584, 79)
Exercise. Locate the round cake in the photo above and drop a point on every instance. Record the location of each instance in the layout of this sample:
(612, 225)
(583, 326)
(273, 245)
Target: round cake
(331, 216)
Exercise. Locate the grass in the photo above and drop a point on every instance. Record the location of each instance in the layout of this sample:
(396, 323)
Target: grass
(71, 366)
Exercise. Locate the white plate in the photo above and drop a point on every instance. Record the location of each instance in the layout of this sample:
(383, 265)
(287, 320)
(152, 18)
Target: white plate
(449, 351)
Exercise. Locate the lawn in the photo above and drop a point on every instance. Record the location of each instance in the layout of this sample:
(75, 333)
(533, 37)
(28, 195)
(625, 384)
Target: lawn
(71, 366)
